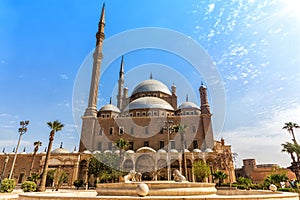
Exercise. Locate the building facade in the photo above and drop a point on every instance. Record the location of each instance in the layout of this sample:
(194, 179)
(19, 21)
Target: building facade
(258, 173)
(158, 130)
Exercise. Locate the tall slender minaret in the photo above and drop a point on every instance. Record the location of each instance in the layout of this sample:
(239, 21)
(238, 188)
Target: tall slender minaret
(120, 85)
(208, 138)
(205, 108)
(89, 120)
(98, 56)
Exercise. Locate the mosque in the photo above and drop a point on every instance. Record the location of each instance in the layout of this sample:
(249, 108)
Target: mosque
(161, 135)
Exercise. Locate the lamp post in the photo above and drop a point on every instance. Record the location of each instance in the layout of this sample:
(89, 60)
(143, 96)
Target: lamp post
(22, 130)
(168, 127)
(4, 166)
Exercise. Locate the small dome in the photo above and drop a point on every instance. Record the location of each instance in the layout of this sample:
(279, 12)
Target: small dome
(188, 105)
(23, 153)
(151, 85)
(186, 151)
(145, 150)
(110, 107)
(117, 152)
(161, 151)
(96, 152)
(197, 151)
(130, 151)
(173, 151)
(87, 152)
(148, 103)
(208, 150)
(107, 151)
(59, 151)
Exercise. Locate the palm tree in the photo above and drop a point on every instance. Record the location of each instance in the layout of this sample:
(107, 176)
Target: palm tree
(55, 126)
(290, 149)
(36, 145)
(180, 128)
(290, 126)
(220, 176)
(123, 145)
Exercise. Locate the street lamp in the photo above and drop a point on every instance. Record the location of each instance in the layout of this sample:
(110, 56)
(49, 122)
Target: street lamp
(22, 130)
(4, 167)
(168, 127)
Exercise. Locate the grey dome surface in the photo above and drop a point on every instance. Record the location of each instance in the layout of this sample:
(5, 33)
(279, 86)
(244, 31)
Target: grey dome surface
(151, 85)
(148, 103)
(186, 105)
(110, 107)
(59, 151)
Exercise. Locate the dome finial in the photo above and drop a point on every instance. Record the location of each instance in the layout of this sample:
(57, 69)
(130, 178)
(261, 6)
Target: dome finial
(151, 75)
(187, 98)
(24, 149)
(74, 149)
(61, 145)
(110, 100)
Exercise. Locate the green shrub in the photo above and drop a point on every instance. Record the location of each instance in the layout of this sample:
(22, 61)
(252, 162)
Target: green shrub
(28, 186)
(78, 183)
(7, 185)
(286, 189)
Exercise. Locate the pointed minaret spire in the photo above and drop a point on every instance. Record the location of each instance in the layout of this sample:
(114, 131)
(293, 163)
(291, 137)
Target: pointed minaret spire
(121, 85)
(151, 76)
(187, 98)
(101, 24)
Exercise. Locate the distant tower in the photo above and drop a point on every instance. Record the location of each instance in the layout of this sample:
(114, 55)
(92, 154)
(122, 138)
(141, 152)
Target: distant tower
(90, 116)
(205, 108)
(120, 85)
(208, 140)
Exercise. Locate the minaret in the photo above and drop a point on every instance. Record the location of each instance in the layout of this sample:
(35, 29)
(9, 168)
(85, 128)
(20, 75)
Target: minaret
(89, 119)
(120, 85)
(92, 105)
(205, 108)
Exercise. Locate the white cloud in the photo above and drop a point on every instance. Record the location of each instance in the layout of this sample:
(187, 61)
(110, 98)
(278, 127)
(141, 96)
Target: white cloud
(63, 76)
(263, 141)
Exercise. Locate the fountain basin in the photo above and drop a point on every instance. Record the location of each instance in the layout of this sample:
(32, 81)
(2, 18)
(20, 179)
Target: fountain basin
(157, 188)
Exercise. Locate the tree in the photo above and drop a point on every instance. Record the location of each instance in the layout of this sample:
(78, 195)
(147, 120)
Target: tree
(201, 170)
(290, 126)
(245, 182)
(123, 145)
(36, 145)
(55, 126)
(290, 149)
(275, 179)
(103, 166)
(59, 178)
(181, 129)
(220, 176)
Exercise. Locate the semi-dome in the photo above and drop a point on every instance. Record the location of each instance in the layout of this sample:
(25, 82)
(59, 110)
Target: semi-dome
(188, 105)
(148, 103)
(59, 151)
(151, 85)
(110, 107)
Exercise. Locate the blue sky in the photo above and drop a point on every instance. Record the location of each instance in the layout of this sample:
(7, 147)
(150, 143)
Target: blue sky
(254, 45)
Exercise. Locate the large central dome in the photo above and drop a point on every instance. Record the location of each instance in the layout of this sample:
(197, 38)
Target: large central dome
(151, 85)
(148, 103)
